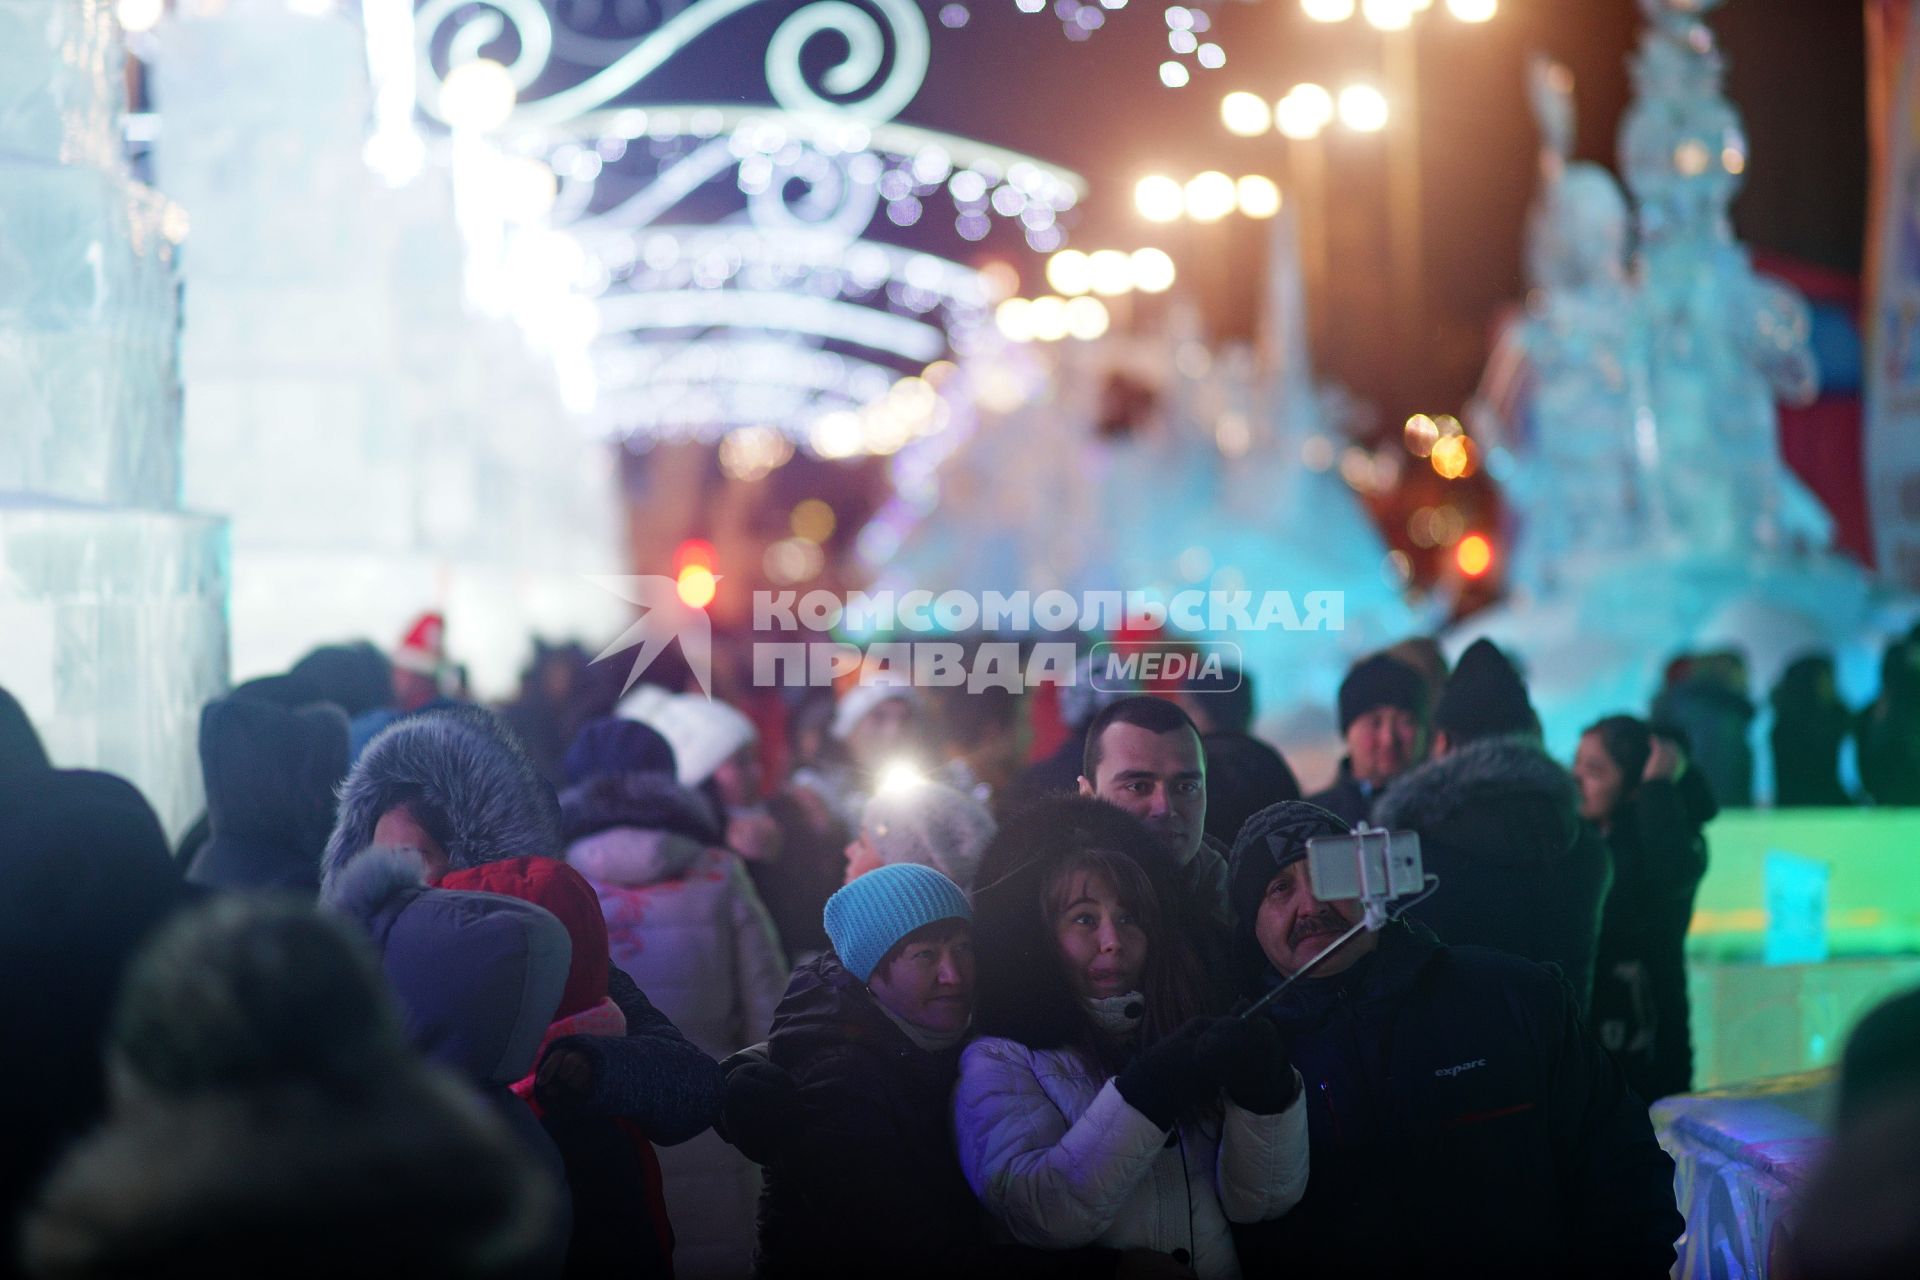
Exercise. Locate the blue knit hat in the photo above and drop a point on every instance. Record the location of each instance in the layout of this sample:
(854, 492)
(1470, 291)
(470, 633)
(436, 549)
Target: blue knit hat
(867, 918)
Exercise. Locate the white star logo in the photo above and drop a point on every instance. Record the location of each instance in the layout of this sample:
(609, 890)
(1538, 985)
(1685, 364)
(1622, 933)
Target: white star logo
(664, 617)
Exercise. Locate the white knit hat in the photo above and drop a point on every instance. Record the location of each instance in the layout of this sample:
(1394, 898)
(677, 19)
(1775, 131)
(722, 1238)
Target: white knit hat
(862, 698)
(703, 732)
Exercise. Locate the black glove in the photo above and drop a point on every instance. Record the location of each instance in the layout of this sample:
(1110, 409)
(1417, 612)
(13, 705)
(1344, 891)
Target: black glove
(1248, 1058)
(758, 1110)
(1165, 1079)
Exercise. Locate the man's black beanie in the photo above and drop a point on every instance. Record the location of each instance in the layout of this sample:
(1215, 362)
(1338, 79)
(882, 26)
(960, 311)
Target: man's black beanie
(1271, 839)
(1381, 681)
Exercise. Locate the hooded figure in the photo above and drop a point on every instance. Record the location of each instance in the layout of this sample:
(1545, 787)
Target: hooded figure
(258, 1061)
(619, 1205)
(1462, 1119)
(682, 918)
(87, 877)
(1499, 824)
(270, 774)
(458, 783)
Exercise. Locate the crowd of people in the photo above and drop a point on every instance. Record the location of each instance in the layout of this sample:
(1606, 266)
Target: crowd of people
(894, 982)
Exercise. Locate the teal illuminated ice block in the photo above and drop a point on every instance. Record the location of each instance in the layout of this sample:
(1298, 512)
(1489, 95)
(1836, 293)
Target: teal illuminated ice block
(112, 600)
(1752, 1018)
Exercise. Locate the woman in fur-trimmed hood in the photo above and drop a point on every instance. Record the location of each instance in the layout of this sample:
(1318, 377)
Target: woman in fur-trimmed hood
(456, 786)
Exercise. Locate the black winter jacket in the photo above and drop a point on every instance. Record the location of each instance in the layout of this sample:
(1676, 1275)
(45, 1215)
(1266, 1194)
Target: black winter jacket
(1462, 1122)
(1640, 1007)
(1348, 798)
(864, 1181)
(1499, 824)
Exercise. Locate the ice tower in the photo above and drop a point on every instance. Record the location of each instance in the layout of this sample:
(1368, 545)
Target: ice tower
(112, 599)
(379, 446)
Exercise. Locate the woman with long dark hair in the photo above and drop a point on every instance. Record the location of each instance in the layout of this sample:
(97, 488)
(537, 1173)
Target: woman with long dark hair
(1105, 1101)
(1635, 786)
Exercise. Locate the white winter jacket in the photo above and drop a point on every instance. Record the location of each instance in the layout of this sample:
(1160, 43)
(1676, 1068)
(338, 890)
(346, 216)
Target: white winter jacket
(1061, 1160)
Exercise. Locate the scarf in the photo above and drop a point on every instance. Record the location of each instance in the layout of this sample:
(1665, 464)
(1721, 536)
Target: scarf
(1119, 1016)
(930, 1041)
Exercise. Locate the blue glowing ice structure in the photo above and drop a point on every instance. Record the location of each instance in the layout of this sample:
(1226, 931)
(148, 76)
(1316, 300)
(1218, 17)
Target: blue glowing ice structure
(1687, 531)
(112, 599)
(379, 442)
(1224, 484)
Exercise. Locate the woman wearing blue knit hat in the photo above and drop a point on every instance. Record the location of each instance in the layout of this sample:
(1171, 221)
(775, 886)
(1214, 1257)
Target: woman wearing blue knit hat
(861, 1175)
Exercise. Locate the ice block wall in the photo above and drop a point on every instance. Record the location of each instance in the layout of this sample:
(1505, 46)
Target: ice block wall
(378, 448)
(112, 599)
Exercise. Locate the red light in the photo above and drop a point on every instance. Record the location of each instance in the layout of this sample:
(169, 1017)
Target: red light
(694, 551)
(1474, 555)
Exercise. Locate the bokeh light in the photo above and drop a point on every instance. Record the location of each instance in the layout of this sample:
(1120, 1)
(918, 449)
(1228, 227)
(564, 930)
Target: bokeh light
(1158, 198)
(1210, 196)
(1258, 196)
(1474, 555)
(1363, 108)
(1109, 273)
(1246, 115)
(1153, 270)
(1069, 273)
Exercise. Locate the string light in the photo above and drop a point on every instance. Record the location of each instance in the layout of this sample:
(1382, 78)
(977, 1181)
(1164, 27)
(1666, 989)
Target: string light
(1258, 196)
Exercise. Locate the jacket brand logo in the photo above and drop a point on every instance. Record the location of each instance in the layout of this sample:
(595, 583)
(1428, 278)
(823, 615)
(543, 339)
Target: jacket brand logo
(1460, 1067)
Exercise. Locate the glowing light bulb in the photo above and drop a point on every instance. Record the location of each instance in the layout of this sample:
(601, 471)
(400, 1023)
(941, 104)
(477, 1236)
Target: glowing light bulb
(696, 586)
(1110, 273)
(1087, 318)
(1159, 198)
(1474, 555)
(1363, 108)
(1387, 15)
(139, 15)
(1049, 318)
(1068, 272)
(1327, 10)
(1210, 196)
(1014, 319)
(1246, 115)
(1258, 196)
(1152, 270)
(477, 95)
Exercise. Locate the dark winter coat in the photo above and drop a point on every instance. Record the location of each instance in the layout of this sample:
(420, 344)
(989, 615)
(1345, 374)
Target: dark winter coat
(1462, 1122)
(1640, 1010)
(1499, 824)
(270, 775)
(85, 877)
(866, 1181)
(1716, 721)
(465, 768)
(1244, 776)
(1348, 799)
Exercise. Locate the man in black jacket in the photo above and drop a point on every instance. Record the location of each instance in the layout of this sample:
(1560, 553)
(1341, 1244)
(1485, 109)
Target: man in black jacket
(1462, 1120)
(1499, 824)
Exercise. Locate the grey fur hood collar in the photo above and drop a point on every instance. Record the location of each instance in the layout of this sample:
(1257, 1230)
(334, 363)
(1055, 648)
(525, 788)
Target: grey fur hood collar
(1499, 800)
(470, 784)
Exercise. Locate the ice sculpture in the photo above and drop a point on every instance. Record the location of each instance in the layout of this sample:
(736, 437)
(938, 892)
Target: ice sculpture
(379, 445)
(1725, 341)
(112, 624)
(1564, 410)
(1098, 481)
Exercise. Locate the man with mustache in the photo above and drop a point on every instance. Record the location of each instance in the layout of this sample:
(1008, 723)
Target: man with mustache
(1144, 755)
(1461, 1119)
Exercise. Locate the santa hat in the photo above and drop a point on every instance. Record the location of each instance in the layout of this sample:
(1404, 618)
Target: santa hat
(424, 650)
(703, 732)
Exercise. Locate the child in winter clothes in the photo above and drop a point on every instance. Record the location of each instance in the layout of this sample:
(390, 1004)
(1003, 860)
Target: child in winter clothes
(1099, 1106)
(619, 1209)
